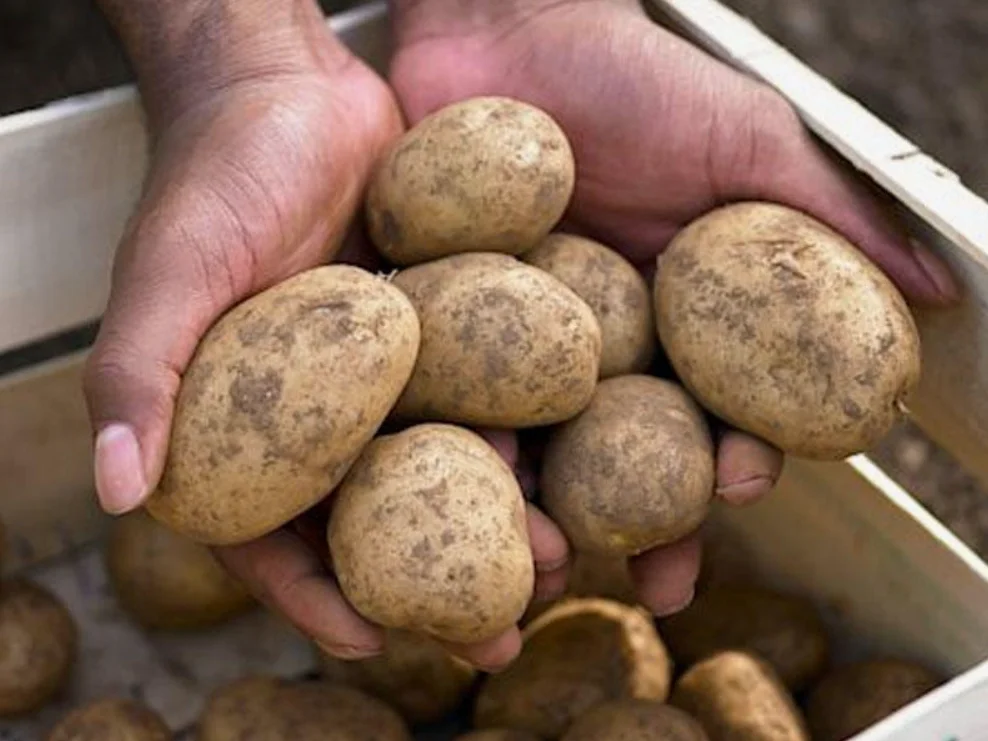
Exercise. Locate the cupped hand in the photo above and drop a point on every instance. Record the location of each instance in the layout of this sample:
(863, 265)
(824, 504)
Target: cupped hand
(662, 133)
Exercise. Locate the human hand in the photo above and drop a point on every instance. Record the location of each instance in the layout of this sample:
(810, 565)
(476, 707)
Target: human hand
(662, 133)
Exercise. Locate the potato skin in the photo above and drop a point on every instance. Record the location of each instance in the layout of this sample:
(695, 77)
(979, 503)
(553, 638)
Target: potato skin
(784, 630)
(428, 533)
(418, 281)
(634, 470)
(269, 709)
(488, 174)
(856, 696)
(577, 654)
(631, 719)
(415, 675)
(166, 581)
(111, 719)
(613, 288)
(502, 348)
(282, 394)
(38, 647)
(738, 697)
(781, 327)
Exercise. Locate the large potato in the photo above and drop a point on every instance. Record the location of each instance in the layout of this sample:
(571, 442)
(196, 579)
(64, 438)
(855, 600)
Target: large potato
(167, 581)
(487, 174)
(738, 697)
(283, 393)
(268, 709)
(781, 327)
(415, 675)
(428, 533)
(111, 719)
(501, 348)
(783, 629)
(613, 288)
(635, 720)
(634, 470)
(38, 646)
(577, 654)
(856, 696)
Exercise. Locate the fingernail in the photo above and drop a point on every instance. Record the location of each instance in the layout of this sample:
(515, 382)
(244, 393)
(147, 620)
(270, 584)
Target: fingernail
(671, 608)
(349, 653)
(119, 470)
(935, 271)
(547, 567)
(746, 491)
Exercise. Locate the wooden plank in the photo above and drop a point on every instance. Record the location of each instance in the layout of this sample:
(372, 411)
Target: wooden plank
(952, 403)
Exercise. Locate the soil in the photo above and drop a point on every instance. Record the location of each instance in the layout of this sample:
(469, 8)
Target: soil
(920, 65)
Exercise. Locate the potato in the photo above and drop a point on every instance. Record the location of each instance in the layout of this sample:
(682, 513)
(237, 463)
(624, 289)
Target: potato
(488, 174)
(635, 720)
(269, 709)
(38, 645)
(498, 734)
(111, 719)
(856, 696)
(614, 289)
(428, 534)
(415, 675)
(501, 348)
(633, 471)
(166, 581)
(783, 629)
(581, 652)
(419, 281)
(779, 326)
(739, 697)
(283, 393)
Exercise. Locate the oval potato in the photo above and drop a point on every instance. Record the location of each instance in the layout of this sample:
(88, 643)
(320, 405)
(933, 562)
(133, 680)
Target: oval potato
(781, 327)
(111, 719)
(283, 393)
(428, 533)
(488, 174)
(632, 719)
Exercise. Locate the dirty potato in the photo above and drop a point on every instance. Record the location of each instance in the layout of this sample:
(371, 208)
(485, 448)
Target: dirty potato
(111, 719)
(487, 174)
(282, 394)
(419, 281)
(166, 581)
(415, 675)
(428, 534)
(502, 347)
(856, 696)
(579, 653)
(38, 645)
(269, 709)
(631, 719)
(738, 697)
(633, 471)
(783, 629)
(781, 327)
(613, 288)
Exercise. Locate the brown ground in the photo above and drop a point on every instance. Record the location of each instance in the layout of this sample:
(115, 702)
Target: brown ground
(919, 64)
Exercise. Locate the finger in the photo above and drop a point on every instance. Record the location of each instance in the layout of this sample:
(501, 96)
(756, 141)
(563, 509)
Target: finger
(489, 656)
(747, 468)
(550, 550)
(285, 575)
(665, 577)
(505, 442)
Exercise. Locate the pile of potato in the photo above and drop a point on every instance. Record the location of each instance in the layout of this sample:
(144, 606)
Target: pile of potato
(373, 387)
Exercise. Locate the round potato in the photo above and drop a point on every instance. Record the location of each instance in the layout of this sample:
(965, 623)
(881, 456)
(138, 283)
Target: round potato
(502, 348)
(38, 645)
(579, 653)
(498, 734)
(428, 534)
(487, 174)
(633, 471)
(268, 709)
(635, 720)
(856, 696)
(783, 629)
(415, 675)
(779, 326)
(283, 393)
(738, 697)
(111, 719)
(166, 581)
(614, 289)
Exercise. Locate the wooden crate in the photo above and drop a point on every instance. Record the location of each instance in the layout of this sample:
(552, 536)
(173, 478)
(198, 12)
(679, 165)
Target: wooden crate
(844, 533)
